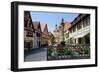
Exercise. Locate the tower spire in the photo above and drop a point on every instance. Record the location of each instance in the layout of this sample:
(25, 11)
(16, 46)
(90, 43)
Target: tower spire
(56, 26)
(62, 20)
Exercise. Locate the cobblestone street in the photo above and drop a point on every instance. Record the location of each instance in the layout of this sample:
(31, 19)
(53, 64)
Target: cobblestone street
(39, 54)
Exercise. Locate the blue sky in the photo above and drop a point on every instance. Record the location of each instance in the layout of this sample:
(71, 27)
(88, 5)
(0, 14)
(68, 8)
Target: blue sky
(52, 18)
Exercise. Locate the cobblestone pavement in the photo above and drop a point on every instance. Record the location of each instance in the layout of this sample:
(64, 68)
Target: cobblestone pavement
(39, 54)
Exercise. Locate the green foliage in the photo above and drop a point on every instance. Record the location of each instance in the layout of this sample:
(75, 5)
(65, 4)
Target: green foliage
(87, 51)
(50, 51)
(67, 51)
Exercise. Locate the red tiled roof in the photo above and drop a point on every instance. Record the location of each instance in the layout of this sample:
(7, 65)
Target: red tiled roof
(67, 25)
(42, 27)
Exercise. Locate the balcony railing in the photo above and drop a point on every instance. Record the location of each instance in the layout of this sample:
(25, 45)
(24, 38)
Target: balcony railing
(68, 52)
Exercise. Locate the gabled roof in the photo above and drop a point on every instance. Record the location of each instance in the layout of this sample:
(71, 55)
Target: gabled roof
(36, 25)
(44, 28)
(28, 25)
